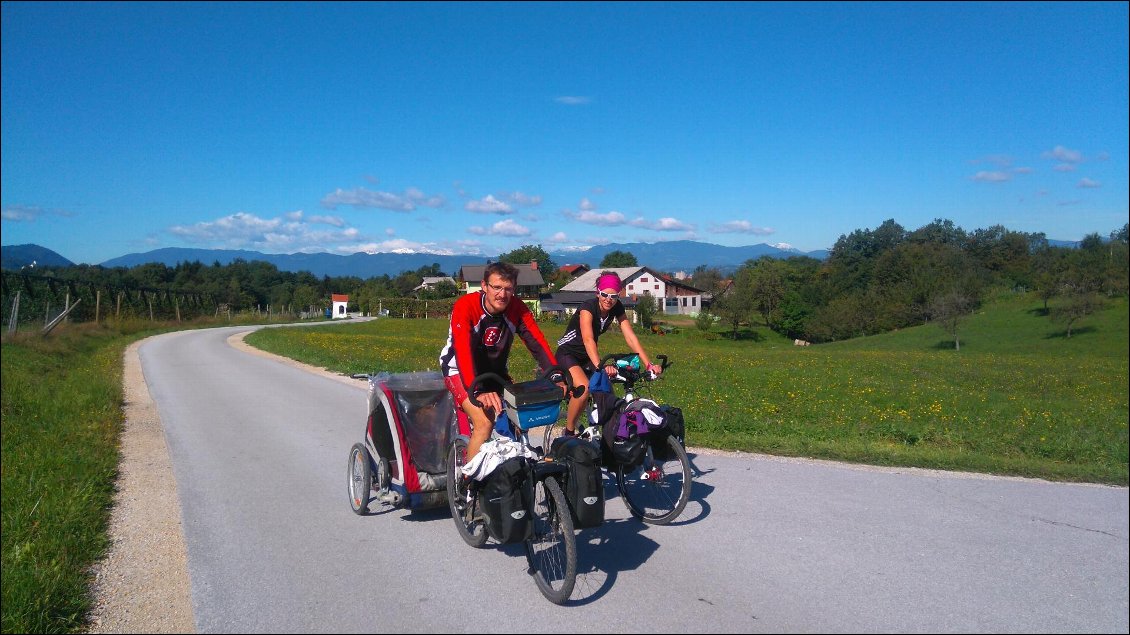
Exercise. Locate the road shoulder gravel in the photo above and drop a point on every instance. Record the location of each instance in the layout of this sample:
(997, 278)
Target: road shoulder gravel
(142, 586)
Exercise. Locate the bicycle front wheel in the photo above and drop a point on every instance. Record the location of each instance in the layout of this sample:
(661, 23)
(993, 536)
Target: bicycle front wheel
(464, 508)
(552, 551)
(656, 490)
(552, 431)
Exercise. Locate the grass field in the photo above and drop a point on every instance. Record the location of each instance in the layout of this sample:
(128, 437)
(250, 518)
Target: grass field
(1018, 398)
(62, 420)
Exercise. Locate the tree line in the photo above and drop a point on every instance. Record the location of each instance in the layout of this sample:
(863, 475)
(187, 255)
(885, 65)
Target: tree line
(876, 280)
(192, 289)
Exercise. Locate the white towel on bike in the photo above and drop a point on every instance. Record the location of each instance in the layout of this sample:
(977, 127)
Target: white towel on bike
(651, 411)
(492, 454)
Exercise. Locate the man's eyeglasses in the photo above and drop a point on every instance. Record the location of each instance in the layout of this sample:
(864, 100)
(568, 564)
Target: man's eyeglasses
(610, 296)
(500, 288)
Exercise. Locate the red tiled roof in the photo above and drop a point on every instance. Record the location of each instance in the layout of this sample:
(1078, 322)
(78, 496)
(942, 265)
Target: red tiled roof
(338, 297)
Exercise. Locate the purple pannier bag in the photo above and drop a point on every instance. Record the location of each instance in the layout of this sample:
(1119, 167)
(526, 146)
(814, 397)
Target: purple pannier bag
(632, 423)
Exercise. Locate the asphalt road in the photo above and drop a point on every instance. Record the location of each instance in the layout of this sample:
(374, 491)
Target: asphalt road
(259, 452)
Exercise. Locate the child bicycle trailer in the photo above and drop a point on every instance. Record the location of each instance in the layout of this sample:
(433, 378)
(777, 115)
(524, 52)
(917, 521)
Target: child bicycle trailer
(403, 459)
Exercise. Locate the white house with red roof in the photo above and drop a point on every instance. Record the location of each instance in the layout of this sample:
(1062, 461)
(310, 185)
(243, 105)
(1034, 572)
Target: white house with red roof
(673, 296)
(340, 304)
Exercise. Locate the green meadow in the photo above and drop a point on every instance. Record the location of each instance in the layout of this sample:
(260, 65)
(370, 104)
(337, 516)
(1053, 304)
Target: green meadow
(62, 401)
(1018, 398)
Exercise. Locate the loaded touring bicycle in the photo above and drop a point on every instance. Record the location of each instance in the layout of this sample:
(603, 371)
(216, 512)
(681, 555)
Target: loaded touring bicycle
(414, 450)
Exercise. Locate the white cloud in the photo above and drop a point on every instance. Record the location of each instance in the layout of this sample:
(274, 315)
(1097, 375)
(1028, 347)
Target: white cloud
(1085, 182)
(741, 227)
(611, 219)
(1063, 154)
(289, 233)
(666, 224)
(991, 177)
(419, 198)
(558, 238)
(488, 205)
(521, 199)
(782, 245)
(573, 100)
(20, 213)
(298, 216)
(586, 205)
(29, 213)
(502, 228)
(361, 197)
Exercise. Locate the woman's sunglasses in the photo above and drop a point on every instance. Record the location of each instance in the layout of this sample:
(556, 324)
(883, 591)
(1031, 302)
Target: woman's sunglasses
(610, 296)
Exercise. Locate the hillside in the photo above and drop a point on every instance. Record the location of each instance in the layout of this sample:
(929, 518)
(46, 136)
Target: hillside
(21, 256)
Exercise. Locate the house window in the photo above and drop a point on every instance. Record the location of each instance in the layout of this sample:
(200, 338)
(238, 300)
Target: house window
(684, 302)
(643, 279)
(656, 287)
(694, 301)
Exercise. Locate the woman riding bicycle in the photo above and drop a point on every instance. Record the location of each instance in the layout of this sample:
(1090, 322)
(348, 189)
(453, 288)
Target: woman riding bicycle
(577, 349)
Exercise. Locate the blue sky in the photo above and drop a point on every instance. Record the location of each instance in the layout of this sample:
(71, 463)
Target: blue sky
(477, 128)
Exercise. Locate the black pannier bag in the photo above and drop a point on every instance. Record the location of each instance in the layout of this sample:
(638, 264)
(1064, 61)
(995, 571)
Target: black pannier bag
(627, 450)
(673, 426)
(505, 497)
(584, 484)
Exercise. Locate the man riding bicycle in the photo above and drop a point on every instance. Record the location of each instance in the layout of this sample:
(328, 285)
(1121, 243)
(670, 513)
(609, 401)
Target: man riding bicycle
(482, 330)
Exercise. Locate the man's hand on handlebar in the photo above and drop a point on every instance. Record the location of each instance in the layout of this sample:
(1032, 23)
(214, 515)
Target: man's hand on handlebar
(491, 402)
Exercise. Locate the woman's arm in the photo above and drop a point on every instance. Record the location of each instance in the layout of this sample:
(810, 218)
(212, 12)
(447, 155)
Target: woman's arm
(586, 338)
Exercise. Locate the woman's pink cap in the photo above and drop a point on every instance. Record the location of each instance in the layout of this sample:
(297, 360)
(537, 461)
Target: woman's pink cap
(608, 281)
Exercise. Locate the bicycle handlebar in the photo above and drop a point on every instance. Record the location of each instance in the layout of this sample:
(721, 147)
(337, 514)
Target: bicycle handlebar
(663, 364)
(552, 371)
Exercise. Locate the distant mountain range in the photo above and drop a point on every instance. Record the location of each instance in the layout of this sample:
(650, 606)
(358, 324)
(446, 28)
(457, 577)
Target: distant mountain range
(683, 255)
(30, 256)
(679, 255)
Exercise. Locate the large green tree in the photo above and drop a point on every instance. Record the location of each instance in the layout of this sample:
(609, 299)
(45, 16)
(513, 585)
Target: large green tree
(616, 259)
(526, 254)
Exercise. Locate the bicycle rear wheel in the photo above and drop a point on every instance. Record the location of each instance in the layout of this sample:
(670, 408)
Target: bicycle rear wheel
(464, 509)
(656, 491)
(552, 551)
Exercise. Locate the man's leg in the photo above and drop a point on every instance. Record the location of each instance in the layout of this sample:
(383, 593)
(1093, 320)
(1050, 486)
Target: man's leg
(481, 427)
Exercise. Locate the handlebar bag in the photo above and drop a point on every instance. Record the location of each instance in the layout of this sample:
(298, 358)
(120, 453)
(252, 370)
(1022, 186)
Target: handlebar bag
(533, 403)
(505, 497)
(584, 485)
